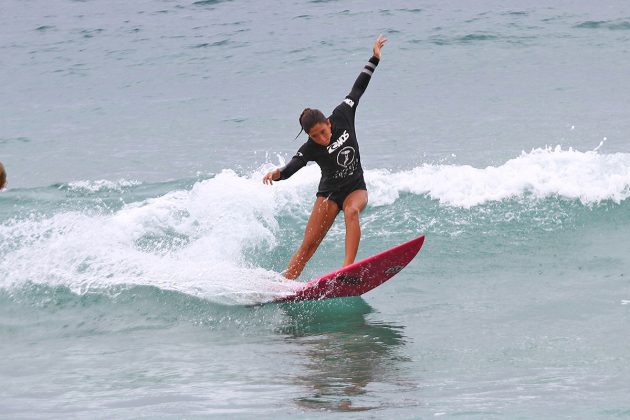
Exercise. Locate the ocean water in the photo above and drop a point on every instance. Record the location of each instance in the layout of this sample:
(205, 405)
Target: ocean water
(137, 240)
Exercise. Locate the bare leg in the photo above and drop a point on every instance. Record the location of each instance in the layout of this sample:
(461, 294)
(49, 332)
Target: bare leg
(352, 207)
(322, 217)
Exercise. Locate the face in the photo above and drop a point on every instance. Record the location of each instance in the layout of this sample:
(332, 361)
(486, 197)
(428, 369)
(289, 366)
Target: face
(321, 133)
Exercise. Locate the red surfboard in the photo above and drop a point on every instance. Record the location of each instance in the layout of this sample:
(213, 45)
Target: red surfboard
(360, 277)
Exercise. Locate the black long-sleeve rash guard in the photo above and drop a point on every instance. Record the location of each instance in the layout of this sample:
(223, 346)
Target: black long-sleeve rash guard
(340, 161)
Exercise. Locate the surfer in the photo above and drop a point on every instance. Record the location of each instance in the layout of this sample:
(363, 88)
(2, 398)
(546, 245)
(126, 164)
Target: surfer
(3, 176)
(332, 143)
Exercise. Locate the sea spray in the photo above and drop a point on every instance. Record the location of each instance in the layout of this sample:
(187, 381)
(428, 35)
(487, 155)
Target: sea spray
(225, 238)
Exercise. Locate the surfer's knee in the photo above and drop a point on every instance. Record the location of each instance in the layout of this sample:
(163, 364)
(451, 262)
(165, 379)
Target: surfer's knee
(351, 212)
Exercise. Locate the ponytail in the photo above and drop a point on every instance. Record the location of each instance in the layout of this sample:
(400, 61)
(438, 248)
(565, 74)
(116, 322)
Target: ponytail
(308, 118)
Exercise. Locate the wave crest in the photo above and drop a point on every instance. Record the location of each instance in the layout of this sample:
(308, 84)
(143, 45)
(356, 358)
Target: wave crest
(589, 177)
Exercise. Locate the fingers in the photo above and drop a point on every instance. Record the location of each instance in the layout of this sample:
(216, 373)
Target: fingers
(378, 44)
(268, 179)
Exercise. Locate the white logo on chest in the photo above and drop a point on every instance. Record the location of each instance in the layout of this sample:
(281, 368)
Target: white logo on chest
(346, 156)
(341, 140)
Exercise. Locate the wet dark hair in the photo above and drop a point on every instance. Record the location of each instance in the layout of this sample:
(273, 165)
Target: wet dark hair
(308, 118)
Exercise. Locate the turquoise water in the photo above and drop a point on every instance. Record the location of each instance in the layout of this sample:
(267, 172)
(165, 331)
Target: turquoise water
(137, 240)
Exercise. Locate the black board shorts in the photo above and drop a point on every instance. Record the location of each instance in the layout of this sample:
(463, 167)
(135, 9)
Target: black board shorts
(340, 196)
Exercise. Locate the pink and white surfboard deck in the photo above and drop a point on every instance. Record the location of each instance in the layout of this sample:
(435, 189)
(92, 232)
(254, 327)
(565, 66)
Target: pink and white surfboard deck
(360, 277)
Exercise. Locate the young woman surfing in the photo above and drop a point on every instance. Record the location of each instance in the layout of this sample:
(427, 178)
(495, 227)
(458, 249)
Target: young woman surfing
(332, 143)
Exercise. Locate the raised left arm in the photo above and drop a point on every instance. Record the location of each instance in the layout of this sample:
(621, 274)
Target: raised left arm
(366, 74)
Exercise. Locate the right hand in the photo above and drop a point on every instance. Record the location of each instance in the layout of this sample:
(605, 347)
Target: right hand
(271, 176)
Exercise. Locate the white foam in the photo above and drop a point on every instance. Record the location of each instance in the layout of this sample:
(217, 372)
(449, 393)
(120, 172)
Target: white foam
(218, 220)
(102, 185)
(195, 241)
(590, 177)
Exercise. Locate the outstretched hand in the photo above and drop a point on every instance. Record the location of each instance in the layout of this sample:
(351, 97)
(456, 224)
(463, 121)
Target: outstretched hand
(271, 176)
(380, 41)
